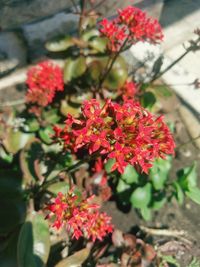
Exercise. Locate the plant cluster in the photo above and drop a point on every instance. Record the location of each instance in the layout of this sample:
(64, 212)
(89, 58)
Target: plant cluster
(87, 134)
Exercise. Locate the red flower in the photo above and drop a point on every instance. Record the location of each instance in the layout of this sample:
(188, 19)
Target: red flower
(43, 81)
(131, 25)
(79, 215)
(127, 133)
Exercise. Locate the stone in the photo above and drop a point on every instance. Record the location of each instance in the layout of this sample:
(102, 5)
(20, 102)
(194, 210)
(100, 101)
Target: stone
(14, 13)
(13, 51)
(38, 33)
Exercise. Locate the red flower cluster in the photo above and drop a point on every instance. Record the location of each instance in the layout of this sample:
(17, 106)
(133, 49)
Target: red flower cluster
(127, 133)
(43, 81)
(131, 25)
(80, 216)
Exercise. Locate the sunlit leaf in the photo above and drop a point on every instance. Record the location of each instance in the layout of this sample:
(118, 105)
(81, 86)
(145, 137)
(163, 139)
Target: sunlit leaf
(59, 187)
(98, 43)
(141, 197)
(194, 194)
(74, 68)
(87, 35)
(59, 44)
(130, 175)
(45, 134)
(179, 193)
(15, 140)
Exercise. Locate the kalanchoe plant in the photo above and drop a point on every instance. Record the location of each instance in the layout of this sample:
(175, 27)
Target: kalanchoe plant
(86, 135)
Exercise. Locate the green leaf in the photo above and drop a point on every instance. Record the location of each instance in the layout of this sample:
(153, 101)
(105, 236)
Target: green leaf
(45, 134)
(194, 194)
(159, 172)
(59, 44)
(130, 175)
(99, 44)
(109, 164)
(158, 204)
(31, 153)
(179, 193)
(148, 100)
(122, 186)
(67, 108)
(51, 115)
(146, 213)
(34, 243)
(168, 259)
(15, 140)
(75, 260)
(187, 177)
(32, 125)
(59, 187)
(118, 75)
(194, 263)
(87, 35)
(141, 197)
(74, 68)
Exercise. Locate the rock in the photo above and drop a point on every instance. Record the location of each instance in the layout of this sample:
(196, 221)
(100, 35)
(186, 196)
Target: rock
(38, 33)
(12, 51)
(14, 13)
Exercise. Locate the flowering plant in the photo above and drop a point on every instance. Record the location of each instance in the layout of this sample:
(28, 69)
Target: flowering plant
(88, 135)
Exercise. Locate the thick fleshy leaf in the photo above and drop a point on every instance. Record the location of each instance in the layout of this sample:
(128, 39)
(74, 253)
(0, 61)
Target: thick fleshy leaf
(51, 115)
(59, 44)
(34, 242)
(74, 68)
(130, 175)
(146, 213)
(187, 177)
(194, 194)
(87, 35)
(122, 186)
(32, 125)
(159, 172)
(109, 164)
(178, 193)
(45, 134)
(68, 108)
(59, 187)
(31, 154)
(14, 141)
(75, 260)
(141, 197)
(99, 44)
(148, 100)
